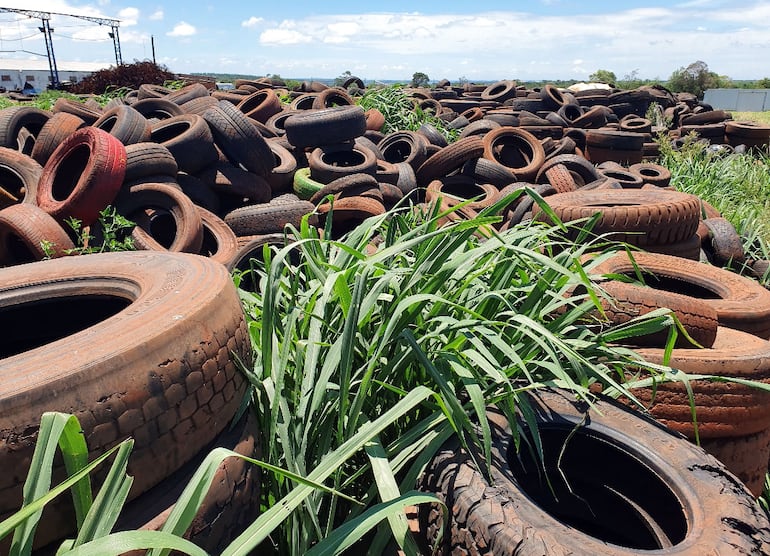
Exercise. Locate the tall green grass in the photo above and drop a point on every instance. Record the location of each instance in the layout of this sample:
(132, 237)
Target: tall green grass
(737, 185)
(448, 319)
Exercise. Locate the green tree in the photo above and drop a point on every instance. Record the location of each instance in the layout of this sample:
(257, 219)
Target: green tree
(763, 83)
(419, 79)
(695, 79)
(603, 76)
(339, 80)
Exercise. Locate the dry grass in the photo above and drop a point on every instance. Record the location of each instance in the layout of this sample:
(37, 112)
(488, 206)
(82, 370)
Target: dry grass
(761, 117)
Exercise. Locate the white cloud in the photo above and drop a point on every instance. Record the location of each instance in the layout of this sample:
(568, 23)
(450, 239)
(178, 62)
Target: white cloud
(157, 15)
(253, 21)
(283, 37)
(128, 16)
(182, 29)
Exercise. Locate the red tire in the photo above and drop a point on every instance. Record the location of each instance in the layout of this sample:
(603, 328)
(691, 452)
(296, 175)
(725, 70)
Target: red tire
(83, 176)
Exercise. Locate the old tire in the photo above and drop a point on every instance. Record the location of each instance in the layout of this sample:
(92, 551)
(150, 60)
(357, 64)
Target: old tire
(740, 302)
(638, 217)
(83, 175)
(148, 350)
(625, 486)
(175, 225)
(24, 229)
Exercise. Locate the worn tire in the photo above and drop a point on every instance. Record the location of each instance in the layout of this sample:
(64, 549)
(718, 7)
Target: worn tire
(632, 487)
(267, 218)
(60, 126)
(189, 140)
(23, 230)
(83, 175)
(240, 139)
(16, 118)
(19, 177)
(516, 149)
(313, 128)
(740, 302)
(125, 123)
(148, 350)
(330, 162)
(149, 159)
(638, 217)
(169, 202)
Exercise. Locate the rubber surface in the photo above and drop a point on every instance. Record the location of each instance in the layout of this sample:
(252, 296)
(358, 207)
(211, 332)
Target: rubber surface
(148, 350)
(711, 512)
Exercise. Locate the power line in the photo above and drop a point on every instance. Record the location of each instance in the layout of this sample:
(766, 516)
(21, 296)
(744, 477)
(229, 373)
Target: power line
(47, 31)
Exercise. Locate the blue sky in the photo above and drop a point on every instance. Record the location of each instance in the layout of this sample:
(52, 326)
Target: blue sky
(538, 39)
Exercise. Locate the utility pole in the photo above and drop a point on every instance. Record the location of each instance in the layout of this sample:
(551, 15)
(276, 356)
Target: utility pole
(152, 44)
(113, 23)
(46, 29)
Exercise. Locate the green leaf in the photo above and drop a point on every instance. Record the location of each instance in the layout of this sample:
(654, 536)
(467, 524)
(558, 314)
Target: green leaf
(351, 532)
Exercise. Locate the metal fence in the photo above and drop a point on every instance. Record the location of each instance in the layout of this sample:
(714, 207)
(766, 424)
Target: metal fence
(741, 100)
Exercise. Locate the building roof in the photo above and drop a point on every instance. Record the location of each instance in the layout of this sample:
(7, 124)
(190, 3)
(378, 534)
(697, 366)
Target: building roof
(41, 64)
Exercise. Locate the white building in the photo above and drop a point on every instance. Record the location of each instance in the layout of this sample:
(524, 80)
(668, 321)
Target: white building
(15, 72)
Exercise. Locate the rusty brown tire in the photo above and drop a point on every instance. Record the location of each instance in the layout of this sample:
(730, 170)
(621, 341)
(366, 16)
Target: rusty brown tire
(148, 350)
(652, 173)
(331, 97)
(740, 302)
(582, 171)
(516, 149)
(83, 175)
(157, 108)
(261, 105)
(724, 410)
(620, 484)
(76, 108)
(17, 118)
(125, 123)
(219, 241)
(450, 158)
(452, 190)
(230, 503)
(628, 301)
(166, 218)
(350, 185)
(724, 243)
(60, 126)
(28, 234)
(639, 217)
(19, 177)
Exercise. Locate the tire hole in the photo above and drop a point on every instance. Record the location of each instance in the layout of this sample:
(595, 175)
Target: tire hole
(600, 488)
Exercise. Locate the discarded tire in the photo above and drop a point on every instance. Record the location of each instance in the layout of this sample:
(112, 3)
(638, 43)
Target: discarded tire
(619, 484)
(638, 217)
(82, 176)
(148, 350)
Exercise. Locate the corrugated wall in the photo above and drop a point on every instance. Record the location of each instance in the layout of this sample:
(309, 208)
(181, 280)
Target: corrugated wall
(741, 100)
